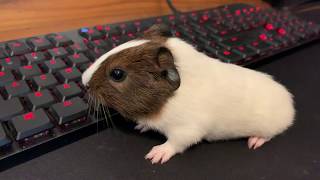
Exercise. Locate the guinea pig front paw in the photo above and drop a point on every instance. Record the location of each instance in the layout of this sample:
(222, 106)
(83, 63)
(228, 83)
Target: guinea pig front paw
(142, 128)
(161, 153)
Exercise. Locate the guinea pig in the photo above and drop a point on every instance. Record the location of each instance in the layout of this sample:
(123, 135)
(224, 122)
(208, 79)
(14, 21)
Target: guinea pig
(164, 84)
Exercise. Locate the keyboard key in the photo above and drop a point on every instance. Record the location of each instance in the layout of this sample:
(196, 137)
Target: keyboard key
(59, 52)
(4, 139)
(54, 65)
(78, 48)
(99, 44)
(30, 124)
(260, 46)
(69, 74)
(229, 56)
(69, 110)
(35, 57)
(83, 67)
(6, 77)
(17, 48)
(77, 59)
(27, 71)
(3, 53)
(10, 63)
(59, 40)
(39, 99)
(90, 34)
(15, 89)
(10, 108)
(44, 81)
(67, 91)
(39, 44)
(246, 52)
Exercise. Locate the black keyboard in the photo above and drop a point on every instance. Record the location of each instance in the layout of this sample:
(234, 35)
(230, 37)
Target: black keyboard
(42, 100)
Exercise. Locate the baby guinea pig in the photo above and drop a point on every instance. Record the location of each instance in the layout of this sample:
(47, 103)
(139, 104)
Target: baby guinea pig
(164, 84)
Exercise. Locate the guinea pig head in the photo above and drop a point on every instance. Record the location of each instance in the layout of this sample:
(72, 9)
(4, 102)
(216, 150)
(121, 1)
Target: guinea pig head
(136, 78)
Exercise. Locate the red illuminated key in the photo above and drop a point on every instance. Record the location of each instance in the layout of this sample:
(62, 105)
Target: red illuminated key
(69, 110)
(17, 48)
(39, 99)
(39, 44)
(44, 81)
(6, 77)
(69, 74)
(10, 63)
(16, 88)
(77, 59)
(269, 27)
(67, 91)
(59, 52)
(35, 57)
(30, 124)
(26, 72)
(59, 40)
(282, 31)
(54, 65)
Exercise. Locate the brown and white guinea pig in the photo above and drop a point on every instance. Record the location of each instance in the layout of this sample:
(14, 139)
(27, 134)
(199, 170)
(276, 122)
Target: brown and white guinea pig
(164, 84)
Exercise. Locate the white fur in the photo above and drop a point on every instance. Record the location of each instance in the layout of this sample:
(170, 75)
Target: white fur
(219, 101)
(86, 76)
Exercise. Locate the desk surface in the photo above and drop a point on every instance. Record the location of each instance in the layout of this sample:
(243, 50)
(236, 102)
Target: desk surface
(118, 154)
(33, 17)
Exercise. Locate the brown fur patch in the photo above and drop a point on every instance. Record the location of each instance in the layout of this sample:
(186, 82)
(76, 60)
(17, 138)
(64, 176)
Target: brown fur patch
(146, 88)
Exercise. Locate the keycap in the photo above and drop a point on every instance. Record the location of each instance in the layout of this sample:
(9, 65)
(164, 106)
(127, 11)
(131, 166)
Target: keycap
(59, 52)
(99, 44)
(90, 33)
(78, 48)
(16, 88)
(6, 77)
(30, 124)
(83, 67)
(69, 74)
(3, 53)
(27, 71)
(39, 99)
(35, 57)
(77, 59)
(69, 110)
(229, 56)
(10, 108)
(59, 40)
(246, 52)
(4, 139)
(10, 63)
(38, 43)
(260, 46)
(17, 48)
(54, 65)
(44, 81)
(67, 91)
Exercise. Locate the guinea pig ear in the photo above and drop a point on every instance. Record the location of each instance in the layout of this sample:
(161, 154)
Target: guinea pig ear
(158, 30)
(168, 69)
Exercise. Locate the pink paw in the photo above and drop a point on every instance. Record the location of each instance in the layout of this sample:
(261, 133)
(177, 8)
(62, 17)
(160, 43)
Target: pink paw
(255, 142)
(142, 128)
(161, 153)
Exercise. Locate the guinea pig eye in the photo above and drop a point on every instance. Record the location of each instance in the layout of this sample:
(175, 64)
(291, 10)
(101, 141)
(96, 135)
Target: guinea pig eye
(118, 75)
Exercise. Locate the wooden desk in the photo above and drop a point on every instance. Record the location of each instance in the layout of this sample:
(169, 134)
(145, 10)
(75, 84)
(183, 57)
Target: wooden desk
(24, 18)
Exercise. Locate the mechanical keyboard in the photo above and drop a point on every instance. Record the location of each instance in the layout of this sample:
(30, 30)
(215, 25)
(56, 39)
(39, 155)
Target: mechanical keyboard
(42, 100)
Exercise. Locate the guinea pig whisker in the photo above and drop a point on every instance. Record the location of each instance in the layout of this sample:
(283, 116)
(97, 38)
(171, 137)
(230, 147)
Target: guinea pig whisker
(105, 116)
(110, 117)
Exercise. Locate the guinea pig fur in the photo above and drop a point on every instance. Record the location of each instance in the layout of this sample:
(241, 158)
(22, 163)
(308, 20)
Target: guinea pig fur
(165, 84)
